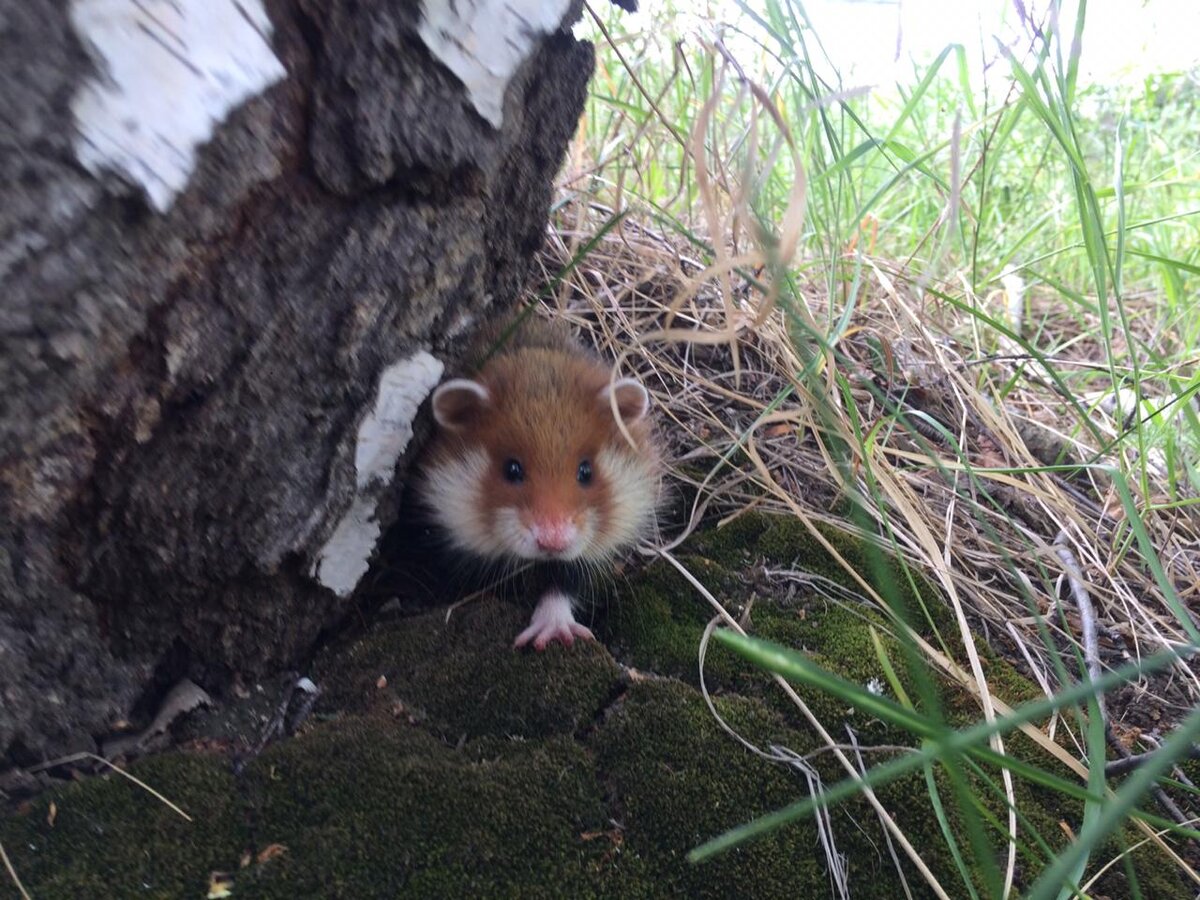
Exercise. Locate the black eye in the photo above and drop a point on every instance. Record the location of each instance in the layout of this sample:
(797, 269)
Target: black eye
(584, 474)
(513, 473)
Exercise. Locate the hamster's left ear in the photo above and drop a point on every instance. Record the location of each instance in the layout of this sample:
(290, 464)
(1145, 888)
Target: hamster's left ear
(633, 402)
(459, 403)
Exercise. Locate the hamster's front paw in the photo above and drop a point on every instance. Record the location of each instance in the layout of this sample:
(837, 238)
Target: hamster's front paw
(553, 620)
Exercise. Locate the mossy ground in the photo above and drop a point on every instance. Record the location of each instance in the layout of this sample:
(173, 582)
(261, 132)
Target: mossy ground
(440, 763)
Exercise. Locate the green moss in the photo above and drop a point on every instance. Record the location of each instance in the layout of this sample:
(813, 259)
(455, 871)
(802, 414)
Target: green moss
(372, 807)
(463, 678)
(679, 780)
(110, 838)
(657, 620)
(659, 616)
(444, 764)
(785, 541)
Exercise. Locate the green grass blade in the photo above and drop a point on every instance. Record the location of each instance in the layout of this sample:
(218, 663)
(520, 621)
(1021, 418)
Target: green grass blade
(940, 742)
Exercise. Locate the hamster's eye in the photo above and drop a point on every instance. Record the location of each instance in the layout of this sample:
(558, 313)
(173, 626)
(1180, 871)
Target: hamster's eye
(513, 472)
(584, 473)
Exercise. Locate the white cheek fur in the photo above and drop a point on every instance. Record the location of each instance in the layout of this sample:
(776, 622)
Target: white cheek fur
(451, 490)
(633, 498)
(511, 537)
(453, 486)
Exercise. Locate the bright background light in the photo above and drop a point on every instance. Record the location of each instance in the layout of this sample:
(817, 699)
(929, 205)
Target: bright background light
(876, 42)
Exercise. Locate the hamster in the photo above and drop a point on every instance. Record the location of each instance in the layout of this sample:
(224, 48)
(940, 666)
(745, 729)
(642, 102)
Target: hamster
(529, 464)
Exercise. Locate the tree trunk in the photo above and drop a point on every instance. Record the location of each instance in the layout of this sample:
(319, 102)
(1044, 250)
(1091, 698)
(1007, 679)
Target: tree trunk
(236, 246)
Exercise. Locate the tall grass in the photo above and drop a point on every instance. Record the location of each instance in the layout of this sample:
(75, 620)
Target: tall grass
(1049, 233)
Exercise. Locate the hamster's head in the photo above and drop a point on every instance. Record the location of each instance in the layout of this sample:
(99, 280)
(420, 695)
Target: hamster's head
(530, 461)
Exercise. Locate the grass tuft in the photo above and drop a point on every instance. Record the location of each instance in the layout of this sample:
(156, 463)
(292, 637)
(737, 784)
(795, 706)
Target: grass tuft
(957, 317)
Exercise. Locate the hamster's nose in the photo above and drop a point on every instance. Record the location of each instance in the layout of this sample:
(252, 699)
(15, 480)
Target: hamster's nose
(554, 535)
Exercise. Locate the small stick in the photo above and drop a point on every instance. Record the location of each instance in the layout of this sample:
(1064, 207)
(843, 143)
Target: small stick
(1130, 761)
(1087, 613)
(76, 757)
(309, 692)
(12, 873)
(1180, 775)
(275, 725)
(281, 723)
(1168, 805)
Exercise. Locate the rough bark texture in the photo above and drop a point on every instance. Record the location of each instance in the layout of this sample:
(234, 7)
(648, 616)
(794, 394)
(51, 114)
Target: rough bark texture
(180, 393)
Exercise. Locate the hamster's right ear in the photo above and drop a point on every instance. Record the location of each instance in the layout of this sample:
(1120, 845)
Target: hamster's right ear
(459, 402)
(633, 402)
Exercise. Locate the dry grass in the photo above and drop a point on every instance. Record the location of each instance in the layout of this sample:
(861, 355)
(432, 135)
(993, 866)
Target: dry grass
(970, 493)
(985, 469)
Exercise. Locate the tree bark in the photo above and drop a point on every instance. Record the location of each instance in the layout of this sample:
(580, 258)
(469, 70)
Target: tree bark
(210, 363)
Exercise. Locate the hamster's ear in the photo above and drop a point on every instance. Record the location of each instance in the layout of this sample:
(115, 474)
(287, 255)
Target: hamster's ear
(633, 402)
(459, 402)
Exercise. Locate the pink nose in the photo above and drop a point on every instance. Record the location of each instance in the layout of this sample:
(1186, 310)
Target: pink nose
(554, 535)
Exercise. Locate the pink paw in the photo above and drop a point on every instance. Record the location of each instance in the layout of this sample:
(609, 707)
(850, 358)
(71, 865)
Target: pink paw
(553, 620)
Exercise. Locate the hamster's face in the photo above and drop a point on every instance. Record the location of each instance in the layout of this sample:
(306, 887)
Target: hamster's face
(531, 464)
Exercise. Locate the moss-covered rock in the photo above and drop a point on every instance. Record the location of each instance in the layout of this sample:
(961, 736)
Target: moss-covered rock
(107, 837)
(442, 763)
(379, 808)
(678, 780)
(657, 620)
(457, 671)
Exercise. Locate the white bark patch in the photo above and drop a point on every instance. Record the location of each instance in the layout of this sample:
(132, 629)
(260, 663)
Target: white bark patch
(382, 437)
(170, 72)
(483, 42)
(346, 556)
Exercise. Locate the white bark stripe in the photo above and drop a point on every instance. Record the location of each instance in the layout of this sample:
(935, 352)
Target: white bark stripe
(484, 42)
(169, 73)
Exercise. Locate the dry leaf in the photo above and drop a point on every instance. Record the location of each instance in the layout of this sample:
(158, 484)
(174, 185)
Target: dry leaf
(183, 698)
(270, 852)
(613, 834)
(779, 430)
(220, 885)
(52, 814)
(990, 459)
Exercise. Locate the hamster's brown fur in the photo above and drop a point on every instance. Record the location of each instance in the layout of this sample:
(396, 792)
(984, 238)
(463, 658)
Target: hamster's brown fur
(530, 463)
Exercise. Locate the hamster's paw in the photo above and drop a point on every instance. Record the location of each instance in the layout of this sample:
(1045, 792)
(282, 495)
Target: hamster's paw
(553, 620)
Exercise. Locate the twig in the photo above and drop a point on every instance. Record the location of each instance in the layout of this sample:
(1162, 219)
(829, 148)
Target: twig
(1130, 761)
(12, 873)
(634, 78)
(281, 723)
(1087, 613)
(76, 757)
(1168, 805)
(1180, 775)
(274, 725)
